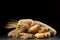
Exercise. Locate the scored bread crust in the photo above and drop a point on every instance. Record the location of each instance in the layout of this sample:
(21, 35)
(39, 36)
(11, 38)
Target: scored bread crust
(30, 27)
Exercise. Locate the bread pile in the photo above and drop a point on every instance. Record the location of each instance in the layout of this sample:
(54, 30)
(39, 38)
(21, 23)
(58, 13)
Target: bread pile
(28, 28)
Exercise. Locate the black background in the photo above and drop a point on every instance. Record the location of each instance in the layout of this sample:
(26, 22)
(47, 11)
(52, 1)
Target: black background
(47, 14)
(3, 1)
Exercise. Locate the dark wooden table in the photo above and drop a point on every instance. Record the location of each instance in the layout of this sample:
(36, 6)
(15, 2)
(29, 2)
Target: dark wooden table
(51, 38)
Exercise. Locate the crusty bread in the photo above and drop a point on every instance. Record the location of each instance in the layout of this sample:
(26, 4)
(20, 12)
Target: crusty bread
(27, 27)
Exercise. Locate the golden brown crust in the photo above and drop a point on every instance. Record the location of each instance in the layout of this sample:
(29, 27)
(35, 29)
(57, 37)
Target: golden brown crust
(25, 28)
